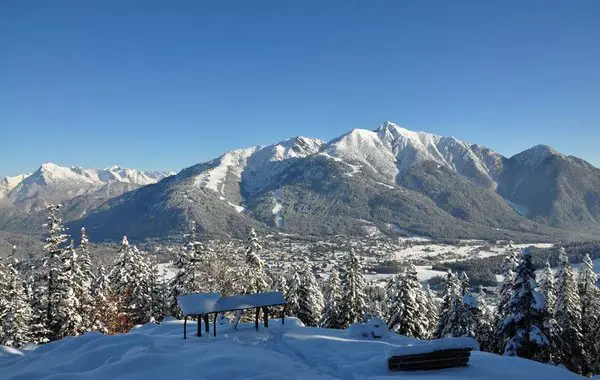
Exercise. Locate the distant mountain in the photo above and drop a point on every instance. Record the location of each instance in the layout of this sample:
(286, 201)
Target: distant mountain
(388, 180)
(23, 197)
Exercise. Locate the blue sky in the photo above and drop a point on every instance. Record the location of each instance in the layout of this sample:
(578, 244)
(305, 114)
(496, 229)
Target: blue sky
(166, 84)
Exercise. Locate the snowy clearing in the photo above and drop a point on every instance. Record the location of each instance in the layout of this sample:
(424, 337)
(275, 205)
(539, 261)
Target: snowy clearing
(281, 352)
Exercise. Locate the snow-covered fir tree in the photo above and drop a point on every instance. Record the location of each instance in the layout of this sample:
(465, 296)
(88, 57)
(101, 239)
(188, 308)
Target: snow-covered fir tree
(15, 311)
(450, 294)
(56, 289)
(186, 278)
(431, 311)
(256, 277)
(569, 337)
(65, 319)
(292, 294)
(333, 298)
(524, 327)
(506, 288)
(484, 329)
(589, 295)
(82, 280)
(352, 307)
(130, 278)
(310, 298)
(546, 287)
(405, 314)
(104, 307)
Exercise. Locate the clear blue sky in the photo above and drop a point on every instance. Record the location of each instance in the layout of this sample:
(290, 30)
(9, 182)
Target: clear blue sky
(166, 84)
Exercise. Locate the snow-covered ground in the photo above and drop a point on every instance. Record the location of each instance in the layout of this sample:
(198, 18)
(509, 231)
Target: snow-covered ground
(280, 352)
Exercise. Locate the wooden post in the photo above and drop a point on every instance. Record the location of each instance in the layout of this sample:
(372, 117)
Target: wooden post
(266, 316)
(185, 327)
(206, 327)
(215, 325)
(199, 333)
(283, 315)
(256, 318)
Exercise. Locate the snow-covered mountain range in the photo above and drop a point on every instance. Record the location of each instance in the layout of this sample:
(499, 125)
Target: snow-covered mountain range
(23, 197)
(387, 180)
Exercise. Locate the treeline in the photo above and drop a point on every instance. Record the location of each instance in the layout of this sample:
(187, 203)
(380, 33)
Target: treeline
(482, 271)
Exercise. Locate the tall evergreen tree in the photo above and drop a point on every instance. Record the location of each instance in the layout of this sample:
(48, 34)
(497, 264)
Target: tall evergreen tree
(524, 326)
(506, 289)
(65, 320)
(570, 341)
(15, 311)
(589, 295)
(450, 295)
(310, 300)
(104, 310)
(547, 289)
(256, 278)
(186, 279)
(333, 298)
(352, 307)
(83, 277)
(484, 329)
(130, 279)
(406, 314)
(57, 285)
(292, 295)
(431, 311)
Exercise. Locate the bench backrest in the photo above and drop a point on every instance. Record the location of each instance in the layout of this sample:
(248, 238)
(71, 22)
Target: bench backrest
(198, 303)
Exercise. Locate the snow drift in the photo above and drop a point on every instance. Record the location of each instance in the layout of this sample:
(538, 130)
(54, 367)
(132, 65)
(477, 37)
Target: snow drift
(291, 351)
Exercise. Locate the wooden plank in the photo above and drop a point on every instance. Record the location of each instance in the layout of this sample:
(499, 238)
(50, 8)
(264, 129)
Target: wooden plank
(428, 357)
(427, 362)
(430, 361)
(435, 354)
(429, 368)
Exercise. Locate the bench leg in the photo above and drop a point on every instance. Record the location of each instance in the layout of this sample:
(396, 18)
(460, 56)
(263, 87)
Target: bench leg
(199, 333)
(283, 315)
(266, 316)
(206, 327)
(215, 325)
(185, 327)
(256, 318)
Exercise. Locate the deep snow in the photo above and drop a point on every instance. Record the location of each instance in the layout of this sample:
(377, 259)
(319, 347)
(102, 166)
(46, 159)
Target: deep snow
(280, 352)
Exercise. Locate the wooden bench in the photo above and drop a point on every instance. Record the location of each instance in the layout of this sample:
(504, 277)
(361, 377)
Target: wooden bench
(202, 305)
(433, 355)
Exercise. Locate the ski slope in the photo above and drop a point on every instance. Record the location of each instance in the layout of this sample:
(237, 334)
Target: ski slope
(292, 351)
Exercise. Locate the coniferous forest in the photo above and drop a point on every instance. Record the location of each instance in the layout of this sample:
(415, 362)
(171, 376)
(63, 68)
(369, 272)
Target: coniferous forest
(553, 317)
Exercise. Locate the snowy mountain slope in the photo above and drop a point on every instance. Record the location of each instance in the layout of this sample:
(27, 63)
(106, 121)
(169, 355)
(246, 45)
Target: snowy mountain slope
(279, 352)
(246, 171)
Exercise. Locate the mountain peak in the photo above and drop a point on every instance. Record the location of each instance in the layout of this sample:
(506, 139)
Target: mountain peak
(536, 154)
